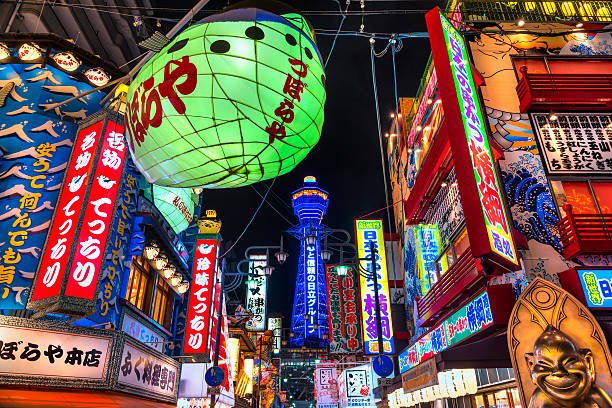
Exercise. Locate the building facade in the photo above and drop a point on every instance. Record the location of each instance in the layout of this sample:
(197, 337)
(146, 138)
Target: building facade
(501, 164)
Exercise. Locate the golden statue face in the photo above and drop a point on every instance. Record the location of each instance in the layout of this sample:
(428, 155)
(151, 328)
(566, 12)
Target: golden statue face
(559, 369)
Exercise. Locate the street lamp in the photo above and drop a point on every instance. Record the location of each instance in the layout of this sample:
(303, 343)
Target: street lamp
(310, 239)
(326, 254)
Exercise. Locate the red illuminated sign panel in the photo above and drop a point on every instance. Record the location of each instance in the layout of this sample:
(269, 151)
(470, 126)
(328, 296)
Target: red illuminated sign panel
(57, 248)
(200, 301)
(91, 245)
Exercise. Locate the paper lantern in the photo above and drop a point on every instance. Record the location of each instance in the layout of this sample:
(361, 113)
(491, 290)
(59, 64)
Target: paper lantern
(151, 250)
(97, 76)
(29, 52)
(176, 206)
(67, 61)
(182, 287)
(160, 262)
(4, 51)
(233, 100)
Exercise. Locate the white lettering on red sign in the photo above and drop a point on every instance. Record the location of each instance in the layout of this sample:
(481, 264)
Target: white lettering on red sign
(199, 313)
(91, 244)
(57, 249)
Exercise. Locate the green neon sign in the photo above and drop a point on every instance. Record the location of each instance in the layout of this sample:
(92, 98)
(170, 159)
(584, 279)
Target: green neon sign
(474, 124)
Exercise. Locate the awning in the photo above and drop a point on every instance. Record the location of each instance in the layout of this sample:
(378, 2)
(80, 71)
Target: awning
(46, 398)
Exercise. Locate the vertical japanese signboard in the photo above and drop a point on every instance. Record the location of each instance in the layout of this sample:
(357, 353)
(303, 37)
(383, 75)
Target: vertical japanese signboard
(118, 259)
(326, 385)
(367, 231)
(68, 275)
(342, 296)
(256, 293)
(93, 237)
(274, 324)
(197, 327)
(479, 184)
(428, 247)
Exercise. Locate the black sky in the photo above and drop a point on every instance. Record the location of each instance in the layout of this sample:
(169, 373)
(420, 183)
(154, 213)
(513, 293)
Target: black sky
(346, 161)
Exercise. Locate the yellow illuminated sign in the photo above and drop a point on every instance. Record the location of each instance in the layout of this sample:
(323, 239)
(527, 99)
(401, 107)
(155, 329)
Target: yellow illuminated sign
(368, 231)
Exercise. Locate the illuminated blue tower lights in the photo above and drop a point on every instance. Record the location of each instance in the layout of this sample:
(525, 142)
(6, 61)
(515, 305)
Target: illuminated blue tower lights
(309, 319)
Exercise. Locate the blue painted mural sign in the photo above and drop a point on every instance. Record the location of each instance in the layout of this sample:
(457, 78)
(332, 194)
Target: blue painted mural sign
(34, 149)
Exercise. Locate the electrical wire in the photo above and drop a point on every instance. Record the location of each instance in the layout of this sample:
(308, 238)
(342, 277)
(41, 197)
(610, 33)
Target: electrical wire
(252, 218)
(337, 32)
(382, 155)
(271, 206)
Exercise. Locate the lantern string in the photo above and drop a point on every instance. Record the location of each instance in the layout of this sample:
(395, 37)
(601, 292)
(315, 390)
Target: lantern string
(252, 218)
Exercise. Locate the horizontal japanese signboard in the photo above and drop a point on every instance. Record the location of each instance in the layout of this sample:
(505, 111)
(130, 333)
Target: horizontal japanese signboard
(142, 330)
(575, 143)
(143, 370)
(473, 317)
(38, 353)
(597, 287)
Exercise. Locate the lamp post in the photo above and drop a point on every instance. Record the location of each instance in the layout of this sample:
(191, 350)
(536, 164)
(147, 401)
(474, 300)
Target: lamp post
(281, 256)
(374, 276)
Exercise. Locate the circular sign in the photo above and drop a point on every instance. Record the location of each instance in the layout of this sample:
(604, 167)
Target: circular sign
(383, 365)
(214, 376)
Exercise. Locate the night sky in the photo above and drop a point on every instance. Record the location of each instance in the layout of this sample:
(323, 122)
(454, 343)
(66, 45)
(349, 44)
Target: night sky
(346, 161)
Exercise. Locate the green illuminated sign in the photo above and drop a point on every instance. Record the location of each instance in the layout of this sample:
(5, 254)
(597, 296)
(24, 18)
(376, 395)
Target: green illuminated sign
(176, 206)
(233, 100)
(474, 124)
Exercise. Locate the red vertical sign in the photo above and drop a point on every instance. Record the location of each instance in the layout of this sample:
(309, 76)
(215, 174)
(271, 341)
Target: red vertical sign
(91, 244)
(199, 313)
(68, 210)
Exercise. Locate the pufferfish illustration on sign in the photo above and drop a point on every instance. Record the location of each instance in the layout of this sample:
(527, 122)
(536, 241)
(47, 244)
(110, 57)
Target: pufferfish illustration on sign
(234, 99)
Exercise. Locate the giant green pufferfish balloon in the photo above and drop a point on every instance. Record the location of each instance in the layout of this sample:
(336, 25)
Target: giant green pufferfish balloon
(234, 99)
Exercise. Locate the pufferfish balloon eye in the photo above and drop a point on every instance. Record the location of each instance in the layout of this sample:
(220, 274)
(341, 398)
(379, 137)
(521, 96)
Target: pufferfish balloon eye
(234, 99)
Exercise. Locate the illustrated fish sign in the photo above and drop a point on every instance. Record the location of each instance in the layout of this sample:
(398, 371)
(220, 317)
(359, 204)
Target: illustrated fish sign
(479, 185)
(233, 100)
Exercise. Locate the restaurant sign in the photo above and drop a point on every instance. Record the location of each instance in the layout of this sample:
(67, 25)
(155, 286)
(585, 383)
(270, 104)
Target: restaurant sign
(575, 143)
(147, 371)
(42, 353)
(472, 318)
(344, 323)
(474, 161)
(597, 287)
(256, 293)
(367, 232)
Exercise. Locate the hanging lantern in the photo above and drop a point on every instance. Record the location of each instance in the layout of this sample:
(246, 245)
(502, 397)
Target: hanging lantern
(151, 250)
(67, 61)
(176, 279)
(469, 378)
(233, 100)
(176, 206)
(4, 51)
(97, 76)
(183, 287)
(168, 271)
(160, 262)
(29, 52)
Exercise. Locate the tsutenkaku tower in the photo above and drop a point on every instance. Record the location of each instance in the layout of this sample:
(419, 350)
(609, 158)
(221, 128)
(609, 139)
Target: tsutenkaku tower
(309, 205)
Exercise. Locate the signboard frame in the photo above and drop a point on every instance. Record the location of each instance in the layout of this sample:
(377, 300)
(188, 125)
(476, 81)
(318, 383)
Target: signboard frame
(546, 155)
(111, 365)
(383, 281)
(501, 300)
(480, 189)
(61, 303)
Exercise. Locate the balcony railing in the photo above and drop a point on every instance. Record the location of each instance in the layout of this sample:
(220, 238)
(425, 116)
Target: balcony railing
(452, 287)
(585, 233)
(538, 11)
(564, 91)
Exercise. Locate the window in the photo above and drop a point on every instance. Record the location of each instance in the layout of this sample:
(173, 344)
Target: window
(162, 306)
(140, 284)
(585, 197)
(149, 292)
